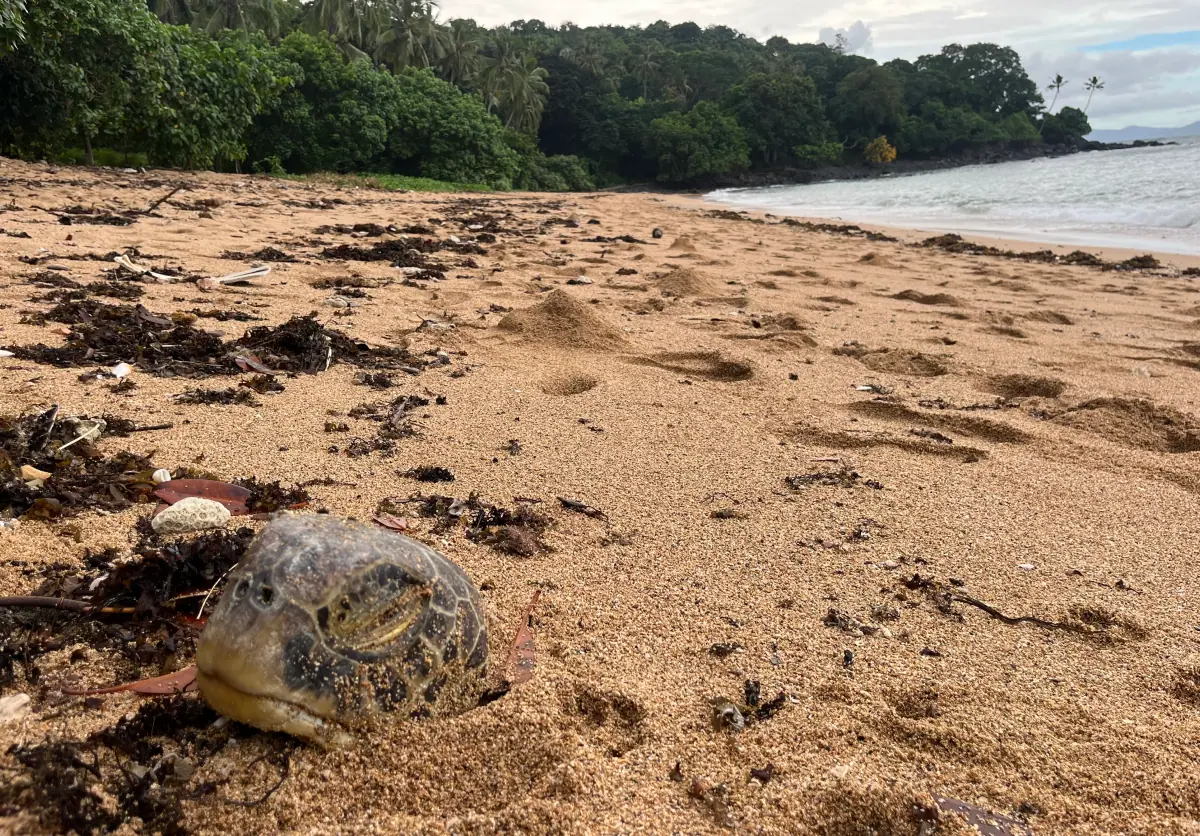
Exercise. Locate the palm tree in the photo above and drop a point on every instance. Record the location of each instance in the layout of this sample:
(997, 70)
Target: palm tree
(588, 56)
(645, 67)
(461, 59)
(496, 68)
(174, 12)
(246, 15)
(525, 95)
(1056, 84)
(410, 36)
(1092, 85)
(353, 25)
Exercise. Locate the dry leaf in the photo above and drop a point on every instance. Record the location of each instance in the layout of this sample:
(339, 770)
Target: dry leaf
(390, 521)
(232, 497)
(182, 680)
(521, 658)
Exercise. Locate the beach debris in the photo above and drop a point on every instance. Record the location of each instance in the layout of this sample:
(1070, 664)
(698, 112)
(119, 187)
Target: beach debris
(391, 521)
(124, 262)
(14, 707)
(242, 277)
(178, 682)
(723, 650)
(228, 396)
(656, 233)
(161, 475)
(764, 774)
(263, 384)
(248, 362)
(843, 477)
(726, 715)
(190, 514)
(522, 658)
(582, 508)
(728, 514)
(429, 473)
(234, 498)
(121, 370)
(517, 531)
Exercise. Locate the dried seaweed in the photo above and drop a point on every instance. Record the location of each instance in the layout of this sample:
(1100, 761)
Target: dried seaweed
(843, 477)
(304, 345)
(516, 530)
(81, 477)
(430, 473)
(228, 396)
(269, 497)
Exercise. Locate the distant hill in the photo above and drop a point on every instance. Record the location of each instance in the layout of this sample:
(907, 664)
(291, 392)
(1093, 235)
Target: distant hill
(1137, 132)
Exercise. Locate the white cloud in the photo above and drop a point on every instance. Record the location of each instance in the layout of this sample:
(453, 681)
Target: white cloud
(857, 37)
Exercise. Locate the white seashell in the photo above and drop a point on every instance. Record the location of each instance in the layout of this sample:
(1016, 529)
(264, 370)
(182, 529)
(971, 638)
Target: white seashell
(192, 513)
(121, 370)
(6, 353)
(161, 475)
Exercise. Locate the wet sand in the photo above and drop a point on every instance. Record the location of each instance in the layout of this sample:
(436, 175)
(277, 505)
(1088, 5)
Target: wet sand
(1028, 442)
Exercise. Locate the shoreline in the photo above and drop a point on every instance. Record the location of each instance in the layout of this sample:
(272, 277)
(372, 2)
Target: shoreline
(915, 235)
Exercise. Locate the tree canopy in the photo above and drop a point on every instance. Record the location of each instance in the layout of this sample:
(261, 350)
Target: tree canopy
(387, 86)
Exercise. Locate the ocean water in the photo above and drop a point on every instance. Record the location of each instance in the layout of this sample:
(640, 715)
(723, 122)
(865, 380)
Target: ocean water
(1142, 198)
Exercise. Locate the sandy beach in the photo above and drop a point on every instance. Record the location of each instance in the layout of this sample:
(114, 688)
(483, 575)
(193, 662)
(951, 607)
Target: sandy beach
(938, 509)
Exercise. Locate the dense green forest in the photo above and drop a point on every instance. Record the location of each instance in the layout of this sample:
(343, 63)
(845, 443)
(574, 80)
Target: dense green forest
(383, 86)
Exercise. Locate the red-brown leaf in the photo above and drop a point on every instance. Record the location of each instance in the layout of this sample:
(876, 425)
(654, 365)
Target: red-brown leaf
(232, 497)
(522, 658)
(182, 680)
(248, 362)
(392, 522)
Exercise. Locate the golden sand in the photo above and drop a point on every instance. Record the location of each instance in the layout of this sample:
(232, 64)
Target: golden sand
(660, 398)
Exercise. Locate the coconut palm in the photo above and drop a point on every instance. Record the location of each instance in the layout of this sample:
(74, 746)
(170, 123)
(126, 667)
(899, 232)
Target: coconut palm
(588, 56)
(504, 57)
(460, 62)
(352, 24)
(645, 66)
(247, 15)
(524, 96)
(410, 36)
(1092, 85)
(174, 12)
(1056, 84)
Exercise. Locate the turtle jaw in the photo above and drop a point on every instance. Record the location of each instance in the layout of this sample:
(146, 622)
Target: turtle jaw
(269, 713)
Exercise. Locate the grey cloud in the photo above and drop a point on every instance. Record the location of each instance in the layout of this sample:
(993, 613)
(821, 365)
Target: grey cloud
(858, 36)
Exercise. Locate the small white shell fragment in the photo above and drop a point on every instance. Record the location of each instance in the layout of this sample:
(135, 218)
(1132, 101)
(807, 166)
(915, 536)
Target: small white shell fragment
(28, 472)
(121, 370)
(161, 475)
(193, 513)
(6, 353)
(1028, 567)
(13, 707)
(840, 771)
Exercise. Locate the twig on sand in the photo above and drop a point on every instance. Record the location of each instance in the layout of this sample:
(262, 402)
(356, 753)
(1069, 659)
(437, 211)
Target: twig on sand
(63, 604)
(165, 197)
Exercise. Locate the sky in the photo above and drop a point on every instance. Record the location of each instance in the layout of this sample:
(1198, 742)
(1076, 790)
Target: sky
(1147, 52)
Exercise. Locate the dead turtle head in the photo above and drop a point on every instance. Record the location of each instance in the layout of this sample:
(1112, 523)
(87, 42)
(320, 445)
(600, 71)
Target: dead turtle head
(327, 625)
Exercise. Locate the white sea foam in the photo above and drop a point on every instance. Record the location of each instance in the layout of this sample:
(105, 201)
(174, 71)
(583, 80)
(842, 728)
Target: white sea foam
(1145, 198)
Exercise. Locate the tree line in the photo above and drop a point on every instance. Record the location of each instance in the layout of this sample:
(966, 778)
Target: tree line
(383, 86)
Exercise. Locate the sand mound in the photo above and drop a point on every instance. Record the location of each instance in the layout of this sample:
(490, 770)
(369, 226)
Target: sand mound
(876, 260)
(564, 321)
(895, 360)
(685, 281)
(709, 365)
(1137, 423)
(926, 298)
(1024, 386)
(1053, 317)
(682, 244)
(571, 384)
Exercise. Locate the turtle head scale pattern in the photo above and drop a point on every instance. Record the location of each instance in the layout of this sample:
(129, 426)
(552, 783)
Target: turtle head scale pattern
(327, 626)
